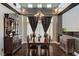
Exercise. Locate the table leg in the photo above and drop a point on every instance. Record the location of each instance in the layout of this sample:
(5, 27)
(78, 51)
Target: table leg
(39, 50)
(28, 50)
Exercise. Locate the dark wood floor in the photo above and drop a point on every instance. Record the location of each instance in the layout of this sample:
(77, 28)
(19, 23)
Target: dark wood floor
(22, 51)
(54, 51)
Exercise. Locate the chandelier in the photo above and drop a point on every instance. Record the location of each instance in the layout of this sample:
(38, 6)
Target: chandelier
(39, 14)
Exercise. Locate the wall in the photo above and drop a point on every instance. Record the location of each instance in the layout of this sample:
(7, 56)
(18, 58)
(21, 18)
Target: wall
(3, 10)
(52, 30)
(24, 29)
(60, 25)
(20, 26)
(55, 28)
(70, 21)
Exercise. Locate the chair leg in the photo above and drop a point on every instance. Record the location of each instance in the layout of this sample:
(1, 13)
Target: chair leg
(28, 50)
(37, 52)
(48, 52)
(34, 52)
(43, 52)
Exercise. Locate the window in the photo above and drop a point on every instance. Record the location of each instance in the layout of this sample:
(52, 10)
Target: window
(39, 5)
(30, 6)
(40, 30)
(49, 5)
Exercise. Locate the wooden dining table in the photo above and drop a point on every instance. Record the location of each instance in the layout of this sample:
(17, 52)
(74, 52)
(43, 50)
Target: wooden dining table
(39, 44)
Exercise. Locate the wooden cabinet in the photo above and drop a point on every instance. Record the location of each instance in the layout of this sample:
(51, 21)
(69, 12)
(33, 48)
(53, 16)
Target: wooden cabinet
(10, 47)
(11, 41)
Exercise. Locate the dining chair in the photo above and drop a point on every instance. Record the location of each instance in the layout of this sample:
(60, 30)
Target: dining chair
(45, 48)
(32, 49)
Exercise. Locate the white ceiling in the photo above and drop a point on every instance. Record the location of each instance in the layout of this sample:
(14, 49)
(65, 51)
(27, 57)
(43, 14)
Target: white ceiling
(32, 8)
(35, 5)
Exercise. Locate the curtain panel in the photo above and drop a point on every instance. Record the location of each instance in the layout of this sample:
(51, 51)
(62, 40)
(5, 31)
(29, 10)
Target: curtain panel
(46, 20)
(33, 22)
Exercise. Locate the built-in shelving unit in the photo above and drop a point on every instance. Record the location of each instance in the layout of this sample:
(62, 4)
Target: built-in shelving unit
(11, 41)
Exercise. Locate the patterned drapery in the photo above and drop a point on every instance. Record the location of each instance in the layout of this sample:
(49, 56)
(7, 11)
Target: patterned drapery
(46, 20)
(33, 22)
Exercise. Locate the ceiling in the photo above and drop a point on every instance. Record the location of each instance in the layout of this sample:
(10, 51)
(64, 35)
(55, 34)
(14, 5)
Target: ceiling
(33, 8)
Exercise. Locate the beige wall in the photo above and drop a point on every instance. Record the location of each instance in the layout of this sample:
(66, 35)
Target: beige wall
(24, 29)
(55, 26)
(20, 26)
(71, 19)
(3, 10)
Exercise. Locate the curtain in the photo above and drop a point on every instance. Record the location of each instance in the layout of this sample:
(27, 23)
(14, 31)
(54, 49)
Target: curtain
(46, 22)
(33, 22)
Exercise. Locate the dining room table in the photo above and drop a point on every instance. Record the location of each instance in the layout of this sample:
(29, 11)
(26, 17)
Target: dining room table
(39, 44)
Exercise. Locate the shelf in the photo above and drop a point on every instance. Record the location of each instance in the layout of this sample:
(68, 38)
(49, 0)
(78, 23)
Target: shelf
(11, 30)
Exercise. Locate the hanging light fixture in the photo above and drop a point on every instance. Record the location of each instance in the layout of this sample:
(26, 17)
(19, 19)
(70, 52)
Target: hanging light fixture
(39, 14)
